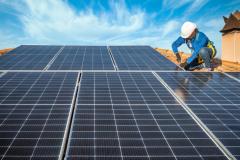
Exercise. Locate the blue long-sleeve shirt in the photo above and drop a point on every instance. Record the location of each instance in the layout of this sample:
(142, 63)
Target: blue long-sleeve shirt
(196, 43)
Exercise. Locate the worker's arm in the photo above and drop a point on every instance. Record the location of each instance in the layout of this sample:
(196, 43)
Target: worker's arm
(199, 43)
(175, 46)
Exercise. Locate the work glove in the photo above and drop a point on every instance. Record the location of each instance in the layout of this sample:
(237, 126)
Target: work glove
(185, 65)
(178, 57)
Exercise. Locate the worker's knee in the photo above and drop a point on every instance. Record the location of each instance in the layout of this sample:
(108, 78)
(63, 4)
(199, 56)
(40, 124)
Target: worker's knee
(204, 52)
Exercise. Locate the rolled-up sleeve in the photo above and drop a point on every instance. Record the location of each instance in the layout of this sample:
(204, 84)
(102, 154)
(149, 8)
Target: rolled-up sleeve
(177, 44)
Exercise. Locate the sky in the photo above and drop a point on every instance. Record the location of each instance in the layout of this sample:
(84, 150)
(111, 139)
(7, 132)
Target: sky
(109, 22)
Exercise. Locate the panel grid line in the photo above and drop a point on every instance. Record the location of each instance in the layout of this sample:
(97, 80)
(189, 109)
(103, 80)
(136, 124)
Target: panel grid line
(112, 58)
(53, 59)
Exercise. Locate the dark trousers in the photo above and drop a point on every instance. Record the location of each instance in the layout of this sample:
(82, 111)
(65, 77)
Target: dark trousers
(206, 54)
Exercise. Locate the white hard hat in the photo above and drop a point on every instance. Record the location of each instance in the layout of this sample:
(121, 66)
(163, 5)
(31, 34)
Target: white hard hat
(187, 29)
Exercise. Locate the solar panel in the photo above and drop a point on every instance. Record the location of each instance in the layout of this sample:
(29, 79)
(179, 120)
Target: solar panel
(35, 87)
(28, 58)
(148, 91)
(215, 99)
(140, 58)
(120, 120)
(83, 58)
(35, 49)
(32, 131)
(34, 110)
(24, 62)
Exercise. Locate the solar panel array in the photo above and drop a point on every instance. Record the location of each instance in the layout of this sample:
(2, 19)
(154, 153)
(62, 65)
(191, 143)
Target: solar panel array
(85, 58)
(99, 102)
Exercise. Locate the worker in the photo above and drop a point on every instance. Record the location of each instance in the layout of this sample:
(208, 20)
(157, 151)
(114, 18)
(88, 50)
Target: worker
(202, 49)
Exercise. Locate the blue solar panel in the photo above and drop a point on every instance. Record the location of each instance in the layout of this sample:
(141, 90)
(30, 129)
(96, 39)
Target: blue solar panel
(34, 87)
(28, 58)
(34, 109)
(140, 58)
(132, 116)
(35, 49)
(150, 91)
(83, 58)
(215, 99)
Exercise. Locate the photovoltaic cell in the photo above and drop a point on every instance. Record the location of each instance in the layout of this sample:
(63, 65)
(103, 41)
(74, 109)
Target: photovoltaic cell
(28, 58)
(133, 127)
(34, 109)
(214, 98)
(83, 58)
(140, 58)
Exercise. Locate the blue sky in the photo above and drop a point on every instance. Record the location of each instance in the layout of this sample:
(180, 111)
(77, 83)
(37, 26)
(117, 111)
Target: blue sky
(108, 22)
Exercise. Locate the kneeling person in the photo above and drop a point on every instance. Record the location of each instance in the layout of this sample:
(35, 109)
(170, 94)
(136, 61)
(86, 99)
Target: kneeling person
(203, 50)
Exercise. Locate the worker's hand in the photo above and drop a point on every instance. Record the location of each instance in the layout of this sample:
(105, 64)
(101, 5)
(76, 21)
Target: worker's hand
(185, 65)
(178, 58)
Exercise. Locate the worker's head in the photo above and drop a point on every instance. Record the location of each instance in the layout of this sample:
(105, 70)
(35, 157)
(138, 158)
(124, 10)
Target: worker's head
(188, 30)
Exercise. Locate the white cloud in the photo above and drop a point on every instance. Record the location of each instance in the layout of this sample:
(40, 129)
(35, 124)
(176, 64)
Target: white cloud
(172, 5)
(195, 6)
(217, 23)
(169, 27)
(56, 22)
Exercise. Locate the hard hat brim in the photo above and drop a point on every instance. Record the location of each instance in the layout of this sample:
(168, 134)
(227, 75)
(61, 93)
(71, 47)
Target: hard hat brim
(184, 36)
